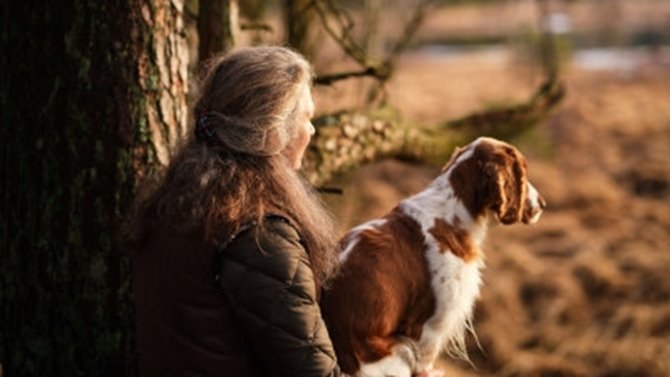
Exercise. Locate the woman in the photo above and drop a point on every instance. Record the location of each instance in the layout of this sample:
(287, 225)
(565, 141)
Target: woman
(232, 246)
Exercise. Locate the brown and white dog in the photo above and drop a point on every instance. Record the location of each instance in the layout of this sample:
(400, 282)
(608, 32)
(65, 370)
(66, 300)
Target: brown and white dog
(408, 281)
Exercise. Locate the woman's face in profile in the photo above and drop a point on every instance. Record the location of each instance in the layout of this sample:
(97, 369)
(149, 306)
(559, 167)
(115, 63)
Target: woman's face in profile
(295, 150)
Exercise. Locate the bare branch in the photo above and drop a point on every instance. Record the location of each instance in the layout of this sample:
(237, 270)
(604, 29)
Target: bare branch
(346, 25)
(410, 29)
(380, 73)
(512, 119)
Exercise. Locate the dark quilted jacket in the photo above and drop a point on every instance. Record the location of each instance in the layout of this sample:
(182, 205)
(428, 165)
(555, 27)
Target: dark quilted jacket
(266, 274)
(249, 310)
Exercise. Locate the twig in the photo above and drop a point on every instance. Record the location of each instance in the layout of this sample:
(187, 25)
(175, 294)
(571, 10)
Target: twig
(346, 24)
(257, 26)
(410, 29)
(330, 190)
(376, 72)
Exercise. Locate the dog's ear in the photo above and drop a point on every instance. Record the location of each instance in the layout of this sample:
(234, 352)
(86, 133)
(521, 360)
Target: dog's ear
(505, 181)
(458, 151)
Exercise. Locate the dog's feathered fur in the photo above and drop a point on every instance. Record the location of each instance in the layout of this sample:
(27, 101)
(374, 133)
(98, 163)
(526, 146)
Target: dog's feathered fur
(410, 279)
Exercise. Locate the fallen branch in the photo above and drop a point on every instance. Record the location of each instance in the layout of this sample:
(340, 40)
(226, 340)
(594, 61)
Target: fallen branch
(513, 119)
(348, 140)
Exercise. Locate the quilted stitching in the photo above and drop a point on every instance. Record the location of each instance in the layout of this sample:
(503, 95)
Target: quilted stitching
(307, 347)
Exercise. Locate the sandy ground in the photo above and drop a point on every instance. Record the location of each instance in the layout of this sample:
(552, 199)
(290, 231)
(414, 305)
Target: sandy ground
(586, 292)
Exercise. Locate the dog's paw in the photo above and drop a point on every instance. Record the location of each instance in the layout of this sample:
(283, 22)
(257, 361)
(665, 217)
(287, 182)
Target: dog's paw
(431, 373)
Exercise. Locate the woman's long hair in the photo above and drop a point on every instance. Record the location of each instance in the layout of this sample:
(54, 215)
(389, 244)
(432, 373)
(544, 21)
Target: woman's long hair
(233, 171)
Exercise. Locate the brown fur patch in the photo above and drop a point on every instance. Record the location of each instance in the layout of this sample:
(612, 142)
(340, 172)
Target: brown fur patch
(383, 292)
(454, 239)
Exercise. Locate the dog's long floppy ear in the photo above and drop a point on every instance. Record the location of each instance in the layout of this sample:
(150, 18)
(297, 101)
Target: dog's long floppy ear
(505, 180)
(458, 151)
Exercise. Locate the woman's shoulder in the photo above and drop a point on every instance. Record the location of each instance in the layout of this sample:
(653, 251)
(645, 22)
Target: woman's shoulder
(274, 233)
(272, 247)
(274, 223)
(282, 224)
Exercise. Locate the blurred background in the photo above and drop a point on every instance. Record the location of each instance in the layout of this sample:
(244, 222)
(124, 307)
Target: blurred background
(94, 98)
(586, 292)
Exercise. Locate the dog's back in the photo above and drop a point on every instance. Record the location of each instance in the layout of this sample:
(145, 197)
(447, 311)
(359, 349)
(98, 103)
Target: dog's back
(380, 292)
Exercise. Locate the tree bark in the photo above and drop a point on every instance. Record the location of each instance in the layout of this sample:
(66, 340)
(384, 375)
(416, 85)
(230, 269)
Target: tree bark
(92, 97)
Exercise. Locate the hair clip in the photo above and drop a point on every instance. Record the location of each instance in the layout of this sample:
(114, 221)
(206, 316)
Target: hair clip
(203, 130)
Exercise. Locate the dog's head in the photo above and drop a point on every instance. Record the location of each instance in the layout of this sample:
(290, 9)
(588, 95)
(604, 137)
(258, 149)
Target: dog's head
(490, 177)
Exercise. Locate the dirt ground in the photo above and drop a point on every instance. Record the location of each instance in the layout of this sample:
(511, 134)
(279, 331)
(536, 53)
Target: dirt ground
(586, 291)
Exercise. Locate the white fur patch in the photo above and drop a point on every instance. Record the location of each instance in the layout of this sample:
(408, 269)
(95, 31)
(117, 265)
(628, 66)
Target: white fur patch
(534, 199)
(392, 365)
(455, 282)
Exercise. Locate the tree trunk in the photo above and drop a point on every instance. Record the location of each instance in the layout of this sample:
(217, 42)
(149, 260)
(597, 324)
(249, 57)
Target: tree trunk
(298, 18)
(218, 27)
(92, 97)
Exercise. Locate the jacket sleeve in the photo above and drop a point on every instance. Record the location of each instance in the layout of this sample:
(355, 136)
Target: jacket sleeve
(266, 274)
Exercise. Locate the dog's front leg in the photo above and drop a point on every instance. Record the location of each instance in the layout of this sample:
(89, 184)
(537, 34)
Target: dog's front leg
(428, 349)
(430, 373)
(402, 362)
